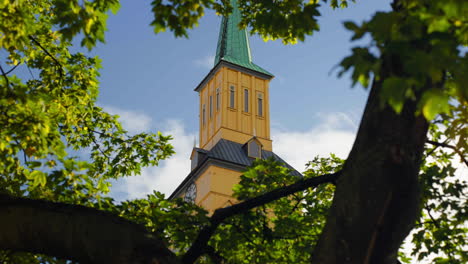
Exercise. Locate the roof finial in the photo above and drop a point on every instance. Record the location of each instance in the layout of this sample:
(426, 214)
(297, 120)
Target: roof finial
(255, 132)
(194, 141)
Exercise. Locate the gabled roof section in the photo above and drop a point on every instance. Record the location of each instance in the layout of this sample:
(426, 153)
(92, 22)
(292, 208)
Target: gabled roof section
(227, 153)
(252, 139)
(233, 43)
(197, 150)
(233, 152)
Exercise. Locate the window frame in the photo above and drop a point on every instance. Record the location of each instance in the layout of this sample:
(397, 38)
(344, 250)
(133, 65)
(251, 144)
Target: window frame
(218, 103)
(260, 104)
(211, 106)
(254, 149)
(246, 100)
(203, 115)
(232, 96)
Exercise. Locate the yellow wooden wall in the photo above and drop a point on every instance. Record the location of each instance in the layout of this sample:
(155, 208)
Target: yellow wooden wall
(233, 123)
(214, 188)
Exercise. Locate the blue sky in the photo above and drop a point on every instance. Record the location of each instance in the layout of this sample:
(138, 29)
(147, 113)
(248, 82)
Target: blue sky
(143, 71)
(148, 80)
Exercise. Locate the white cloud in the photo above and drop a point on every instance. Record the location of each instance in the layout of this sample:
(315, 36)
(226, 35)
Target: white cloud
(334, 134)
(132, 121)
(462, 169)
(167, 176)
(205, 62)
(294, 147)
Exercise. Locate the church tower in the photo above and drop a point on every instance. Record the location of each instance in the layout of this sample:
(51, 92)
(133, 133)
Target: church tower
(234, 120)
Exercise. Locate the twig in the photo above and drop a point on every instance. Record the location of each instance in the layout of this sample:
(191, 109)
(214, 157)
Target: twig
(199, 246)
(445, 145)
(30, 72)
(24, 151)
(297, 204)
(12, 69)
(59, 65)
(432, 218)
(99, 148)
(5, 77)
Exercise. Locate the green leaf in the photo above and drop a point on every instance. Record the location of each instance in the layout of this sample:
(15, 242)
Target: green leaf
(38, 177)
(349, 25)
(394, 90)
(439, 24)
(434, 102)
(34, 164)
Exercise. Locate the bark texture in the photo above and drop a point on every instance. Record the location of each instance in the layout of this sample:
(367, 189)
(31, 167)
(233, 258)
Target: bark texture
(76, 233)
(376, 201)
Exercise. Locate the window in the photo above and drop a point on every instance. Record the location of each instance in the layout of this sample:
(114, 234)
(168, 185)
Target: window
(211, 106)
(231, 97)
(246, 100)
(260, 105)
(203, 115)
(254, 150)
(218, 103)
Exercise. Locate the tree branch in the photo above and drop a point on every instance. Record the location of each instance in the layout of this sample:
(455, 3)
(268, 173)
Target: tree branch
(199, 246)
(445, 145)
(76, 233)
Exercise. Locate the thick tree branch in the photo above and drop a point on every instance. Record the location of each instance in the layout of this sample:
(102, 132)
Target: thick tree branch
(77, 233)
(199, 246)
(445, 145)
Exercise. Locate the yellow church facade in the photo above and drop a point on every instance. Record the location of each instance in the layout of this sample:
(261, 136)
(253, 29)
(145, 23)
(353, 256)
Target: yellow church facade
(234, 105)
(234, 121)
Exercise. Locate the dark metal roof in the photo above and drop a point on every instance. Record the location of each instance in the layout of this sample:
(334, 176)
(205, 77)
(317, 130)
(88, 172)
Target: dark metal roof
(228, 152)
(233, 152)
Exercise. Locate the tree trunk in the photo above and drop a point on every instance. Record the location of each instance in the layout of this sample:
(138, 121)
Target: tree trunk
(376, 202)
(76, 233)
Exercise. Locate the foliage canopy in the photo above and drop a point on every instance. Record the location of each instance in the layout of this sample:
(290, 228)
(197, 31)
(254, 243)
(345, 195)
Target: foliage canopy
(47, 117)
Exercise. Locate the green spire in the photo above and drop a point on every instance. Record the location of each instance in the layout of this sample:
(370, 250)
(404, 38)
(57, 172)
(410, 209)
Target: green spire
(233, 43)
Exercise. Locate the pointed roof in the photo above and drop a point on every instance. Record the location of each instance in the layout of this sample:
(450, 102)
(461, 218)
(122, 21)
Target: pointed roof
(233, 43)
